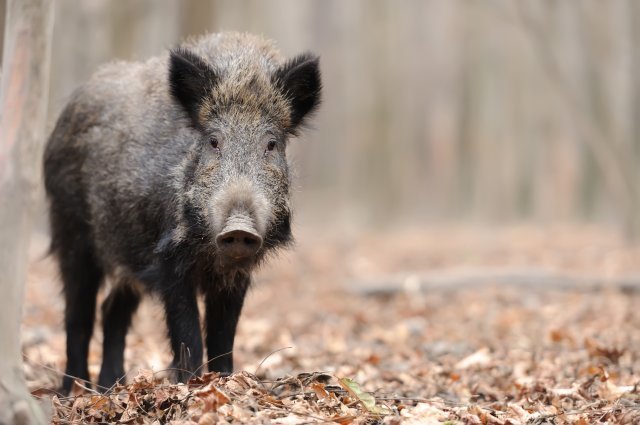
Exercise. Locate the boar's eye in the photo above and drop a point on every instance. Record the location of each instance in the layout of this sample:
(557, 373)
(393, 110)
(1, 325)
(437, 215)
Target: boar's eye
(214, 143)
(271, 145)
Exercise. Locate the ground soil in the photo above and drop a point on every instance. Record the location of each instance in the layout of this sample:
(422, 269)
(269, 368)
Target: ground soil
(452, 324)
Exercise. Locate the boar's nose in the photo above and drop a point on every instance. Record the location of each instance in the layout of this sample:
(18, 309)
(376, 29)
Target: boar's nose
(238, 244)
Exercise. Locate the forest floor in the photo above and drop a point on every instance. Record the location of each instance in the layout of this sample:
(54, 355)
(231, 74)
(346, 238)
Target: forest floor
(434, 325)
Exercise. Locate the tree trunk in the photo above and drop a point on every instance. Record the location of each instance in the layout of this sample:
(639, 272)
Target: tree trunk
(24, 90)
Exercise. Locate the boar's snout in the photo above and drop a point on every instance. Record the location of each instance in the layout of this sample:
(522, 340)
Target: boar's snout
(239, 240)
(241, 213)
(238, 244)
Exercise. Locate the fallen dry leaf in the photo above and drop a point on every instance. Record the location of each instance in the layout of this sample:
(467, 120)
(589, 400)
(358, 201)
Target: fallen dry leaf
(467, 351)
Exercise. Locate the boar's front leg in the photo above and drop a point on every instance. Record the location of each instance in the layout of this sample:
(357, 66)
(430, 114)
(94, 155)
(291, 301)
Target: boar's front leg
(224, 306)
(183, 323)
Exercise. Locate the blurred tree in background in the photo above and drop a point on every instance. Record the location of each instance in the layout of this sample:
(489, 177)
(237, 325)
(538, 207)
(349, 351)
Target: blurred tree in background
(23, 102)
(437, 110)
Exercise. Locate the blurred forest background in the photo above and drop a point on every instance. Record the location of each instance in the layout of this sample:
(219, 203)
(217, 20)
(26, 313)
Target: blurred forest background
(467, 190)
(434, 111)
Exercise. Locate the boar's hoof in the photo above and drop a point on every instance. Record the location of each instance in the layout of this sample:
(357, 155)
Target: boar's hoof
(238, 245)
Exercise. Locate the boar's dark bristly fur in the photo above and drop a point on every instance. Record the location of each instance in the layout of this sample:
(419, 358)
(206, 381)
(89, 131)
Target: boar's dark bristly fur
(170, 177)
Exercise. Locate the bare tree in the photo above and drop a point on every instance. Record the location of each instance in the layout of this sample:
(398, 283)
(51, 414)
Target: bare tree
(26, 55)
(613, 155)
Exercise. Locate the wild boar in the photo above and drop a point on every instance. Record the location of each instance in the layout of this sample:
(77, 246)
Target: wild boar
(170, 177)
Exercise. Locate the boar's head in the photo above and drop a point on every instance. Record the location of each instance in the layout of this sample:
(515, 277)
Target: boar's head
(236, 183)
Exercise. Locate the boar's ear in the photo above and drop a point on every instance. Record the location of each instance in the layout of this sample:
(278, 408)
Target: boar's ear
(190, 79)
(299, 78)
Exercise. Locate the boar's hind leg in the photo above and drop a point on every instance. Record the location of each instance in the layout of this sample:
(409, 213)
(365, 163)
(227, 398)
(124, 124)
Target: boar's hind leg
(183, 323)
(117, 311)
(81, 277)
(223, 311)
